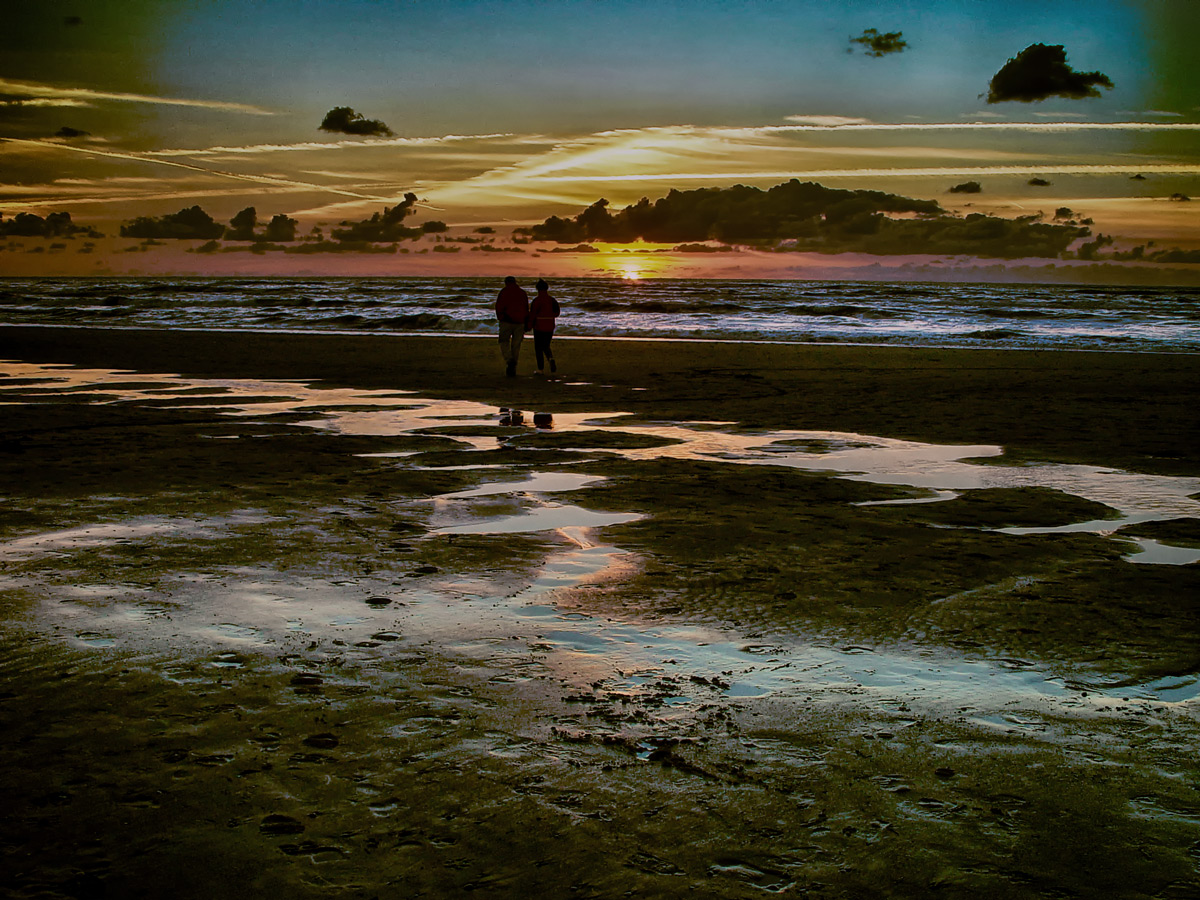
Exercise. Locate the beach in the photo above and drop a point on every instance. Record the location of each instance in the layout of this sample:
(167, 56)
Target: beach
(277, 620)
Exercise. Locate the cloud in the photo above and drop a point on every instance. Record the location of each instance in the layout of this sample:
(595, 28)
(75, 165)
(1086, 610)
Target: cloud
(967, 187)
(15, 101)
(67, 133)
(805, 217)
(826, 121)
(192, 223)
(54, 225)
(876, 44)
(270, 180)
(327, 145)
(344, 120)
(990, 126)
(1040, 71)
(30, 93)
(1038, 182)
(381, 227)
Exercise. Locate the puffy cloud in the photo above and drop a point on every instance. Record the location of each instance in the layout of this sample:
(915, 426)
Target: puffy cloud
(281, 229)
(875, 44)
(57, 224)
(241, 226)
(344, 120)
(381, 227)
(967, 187)
(797, 216)
(1038, 182)
(1040, 71)
(192, 223)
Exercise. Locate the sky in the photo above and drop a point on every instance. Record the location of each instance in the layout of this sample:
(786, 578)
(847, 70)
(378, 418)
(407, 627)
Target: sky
(498, 115)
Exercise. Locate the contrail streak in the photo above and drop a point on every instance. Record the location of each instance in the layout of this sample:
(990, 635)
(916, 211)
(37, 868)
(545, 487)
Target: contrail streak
(238, 176)
(83, 95)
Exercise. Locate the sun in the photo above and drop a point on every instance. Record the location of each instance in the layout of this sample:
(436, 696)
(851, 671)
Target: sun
(630, 272)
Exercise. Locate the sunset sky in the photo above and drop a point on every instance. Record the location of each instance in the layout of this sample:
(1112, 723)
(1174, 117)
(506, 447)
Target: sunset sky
(500, 114)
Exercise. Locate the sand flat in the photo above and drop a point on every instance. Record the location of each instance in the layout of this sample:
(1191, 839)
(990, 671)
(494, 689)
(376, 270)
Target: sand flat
(248, 649)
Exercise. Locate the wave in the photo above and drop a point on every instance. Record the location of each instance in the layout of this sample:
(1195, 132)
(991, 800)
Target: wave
(843, 311)
(414, 322)
(994, 313)
(995, 334)
(659, 306)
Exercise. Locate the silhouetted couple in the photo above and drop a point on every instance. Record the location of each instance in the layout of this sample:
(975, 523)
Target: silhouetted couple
(517, 315)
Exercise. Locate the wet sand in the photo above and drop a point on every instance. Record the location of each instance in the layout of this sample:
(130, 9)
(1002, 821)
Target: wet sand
(261, 638)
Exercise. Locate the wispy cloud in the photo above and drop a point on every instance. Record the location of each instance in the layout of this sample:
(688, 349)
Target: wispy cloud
(307, 146)
(567, 173)
(39, 197)
(993, 126)
(266, 180)
(827, 121)
(30, 93)
(44, 102)
(947, 171)
(689, 153)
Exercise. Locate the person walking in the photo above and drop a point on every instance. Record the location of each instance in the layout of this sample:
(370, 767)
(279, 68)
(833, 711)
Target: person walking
(512, 314)
(542, 313)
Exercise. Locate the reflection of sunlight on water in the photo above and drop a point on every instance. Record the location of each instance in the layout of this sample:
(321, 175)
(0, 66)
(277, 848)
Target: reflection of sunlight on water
(252, 610)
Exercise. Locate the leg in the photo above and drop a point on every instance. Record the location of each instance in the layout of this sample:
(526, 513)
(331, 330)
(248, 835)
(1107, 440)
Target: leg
(541, 346)
(510, 338)
(518, 335)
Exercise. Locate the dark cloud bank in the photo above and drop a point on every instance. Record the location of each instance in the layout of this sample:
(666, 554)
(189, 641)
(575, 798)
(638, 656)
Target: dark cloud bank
(344, 120)
(1040, 71)
(806, 216)
(362, 236)
(194, 223)
(55, 225)
(791, 217)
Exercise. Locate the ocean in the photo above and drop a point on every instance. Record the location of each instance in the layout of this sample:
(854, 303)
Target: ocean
(1031, 316)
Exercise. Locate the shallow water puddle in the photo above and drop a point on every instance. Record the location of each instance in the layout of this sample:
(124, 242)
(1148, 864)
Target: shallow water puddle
(943, 469)
(245, 610)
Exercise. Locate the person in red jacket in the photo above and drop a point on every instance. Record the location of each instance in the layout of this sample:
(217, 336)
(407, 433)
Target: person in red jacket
(542, 313)
(512, 311)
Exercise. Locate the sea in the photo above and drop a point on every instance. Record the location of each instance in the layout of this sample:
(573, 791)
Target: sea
(1026, 316)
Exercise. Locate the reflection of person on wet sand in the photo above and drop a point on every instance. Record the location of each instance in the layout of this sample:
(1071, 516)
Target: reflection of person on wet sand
(542, 313)
(512, 311)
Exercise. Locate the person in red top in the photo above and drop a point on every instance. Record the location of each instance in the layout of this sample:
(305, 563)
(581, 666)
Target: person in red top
(512, 312)
(542, 313)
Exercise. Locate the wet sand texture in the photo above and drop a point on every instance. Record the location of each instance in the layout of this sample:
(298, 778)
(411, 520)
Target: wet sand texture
(1137, 411)
(239, 659)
